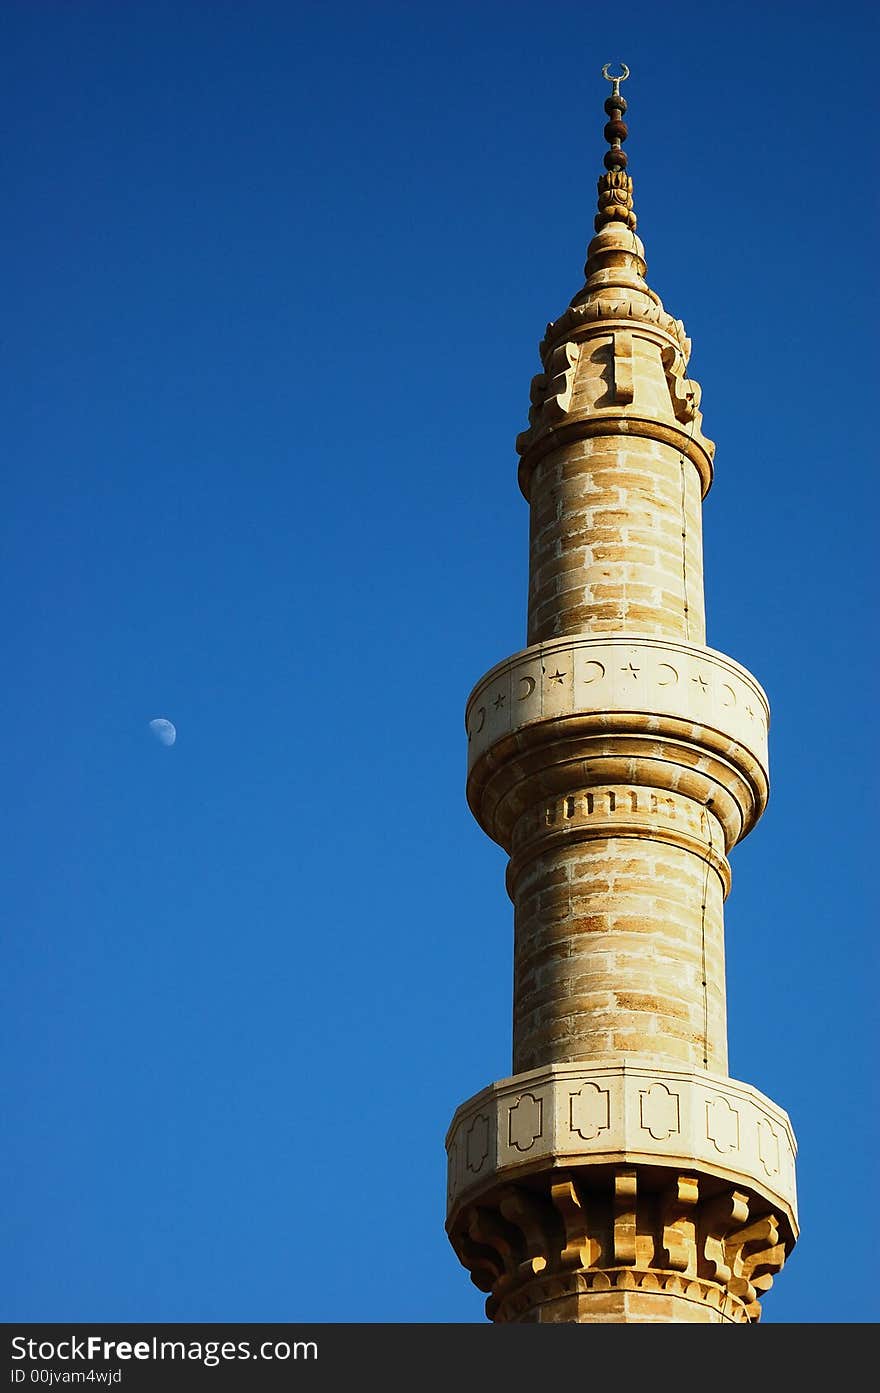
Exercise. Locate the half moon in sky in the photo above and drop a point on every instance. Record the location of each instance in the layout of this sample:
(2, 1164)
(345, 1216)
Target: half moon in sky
(164, 731)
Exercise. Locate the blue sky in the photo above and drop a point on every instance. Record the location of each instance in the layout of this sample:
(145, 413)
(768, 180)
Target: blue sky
(274, 279)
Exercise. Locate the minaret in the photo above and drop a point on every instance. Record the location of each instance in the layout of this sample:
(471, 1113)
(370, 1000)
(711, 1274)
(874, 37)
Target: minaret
(619, 1174)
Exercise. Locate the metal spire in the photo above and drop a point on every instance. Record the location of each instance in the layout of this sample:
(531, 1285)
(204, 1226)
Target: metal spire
(615, 186)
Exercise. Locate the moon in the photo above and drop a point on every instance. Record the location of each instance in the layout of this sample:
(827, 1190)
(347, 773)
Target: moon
(164, 731)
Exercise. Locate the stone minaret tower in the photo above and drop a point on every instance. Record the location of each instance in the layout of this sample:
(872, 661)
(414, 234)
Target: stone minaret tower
(620, 1174)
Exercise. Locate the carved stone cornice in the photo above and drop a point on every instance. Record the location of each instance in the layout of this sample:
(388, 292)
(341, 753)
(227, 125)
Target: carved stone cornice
(597, 812)
(528, 1300)
(577, 712)
(620, 300)
(621, 1112)
(587, 1178)
(534, 444)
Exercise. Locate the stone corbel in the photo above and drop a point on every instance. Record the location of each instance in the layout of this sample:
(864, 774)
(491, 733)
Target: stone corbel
(550, 393)
(625, 1217)
(536, 1221)
(717, 1219)
(755, 1256)
(679, 1242)
(684, 392)
(581, 1250)
(622, 366)
(561, 371)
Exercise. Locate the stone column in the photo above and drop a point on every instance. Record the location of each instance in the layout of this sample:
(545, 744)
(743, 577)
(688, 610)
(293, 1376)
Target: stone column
(619, 1174)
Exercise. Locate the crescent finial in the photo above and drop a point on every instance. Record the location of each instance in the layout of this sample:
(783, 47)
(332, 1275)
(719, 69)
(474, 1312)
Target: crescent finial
(608, 77)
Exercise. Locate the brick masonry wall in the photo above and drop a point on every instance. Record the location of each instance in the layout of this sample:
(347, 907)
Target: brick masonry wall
(606, 549)
(612, 947)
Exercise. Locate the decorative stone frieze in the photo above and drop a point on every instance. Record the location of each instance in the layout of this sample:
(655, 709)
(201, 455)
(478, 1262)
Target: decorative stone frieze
(622, 1113)
(570, 712)
(581, 675)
